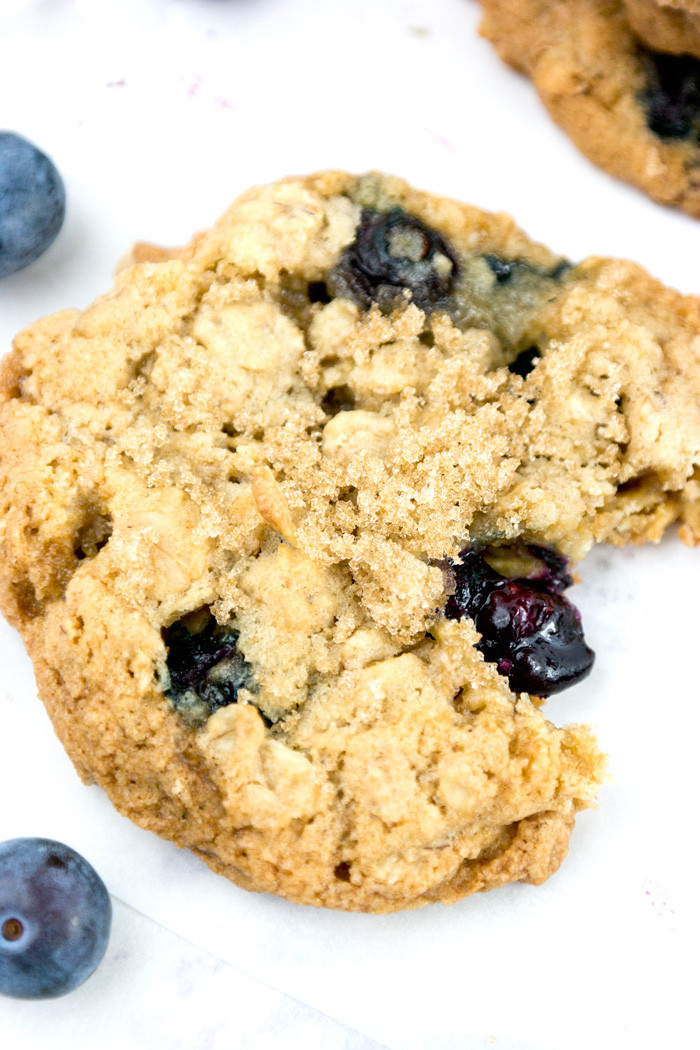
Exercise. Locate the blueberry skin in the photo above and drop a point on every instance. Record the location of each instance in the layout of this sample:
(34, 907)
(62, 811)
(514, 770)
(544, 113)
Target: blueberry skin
(527, 627)
(535, 637)
(32, 203)
(394, 252)
(55, 919)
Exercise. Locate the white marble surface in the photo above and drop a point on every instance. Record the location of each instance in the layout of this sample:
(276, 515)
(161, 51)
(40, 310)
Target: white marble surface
(158, 112)
(155, 990)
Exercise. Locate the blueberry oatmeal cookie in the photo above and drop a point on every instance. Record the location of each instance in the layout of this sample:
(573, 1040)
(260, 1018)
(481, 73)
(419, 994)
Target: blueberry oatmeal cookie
(287, 525)
(631, 109)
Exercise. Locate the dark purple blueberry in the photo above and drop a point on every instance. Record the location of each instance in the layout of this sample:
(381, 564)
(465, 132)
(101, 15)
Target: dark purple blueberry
(206, 668)
(55, 919)
(535, 637)
(474, 579)
(671, 99)
(32, 203)
(392, 253)
(527, 627)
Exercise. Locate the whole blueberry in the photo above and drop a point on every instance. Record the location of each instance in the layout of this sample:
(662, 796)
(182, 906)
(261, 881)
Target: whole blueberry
(32, 203)
(55, 918)
(528, 628)
(535, 637)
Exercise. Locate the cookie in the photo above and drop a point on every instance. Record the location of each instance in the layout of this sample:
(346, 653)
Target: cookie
(672, 27)
(289, 515)
(633, 111)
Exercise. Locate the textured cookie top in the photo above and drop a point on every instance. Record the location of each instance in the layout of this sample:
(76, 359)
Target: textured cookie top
(234, 493)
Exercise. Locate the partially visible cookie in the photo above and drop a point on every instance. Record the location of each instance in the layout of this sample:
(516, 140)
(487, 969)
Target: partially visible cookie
(634, 111)
(286, 521)
(666, 26)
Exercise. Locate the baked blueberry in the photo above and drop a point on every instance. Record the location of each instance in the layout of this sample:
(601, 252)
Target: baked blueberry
(55, 918)
(206, 667)
(474, 580)
(32, 203)
(554, 574)
(527, 627)
(394, 253)
(671, 99)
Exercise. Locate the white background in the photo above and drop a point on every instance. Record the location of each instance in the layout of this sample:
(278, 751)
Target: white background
(157, 113)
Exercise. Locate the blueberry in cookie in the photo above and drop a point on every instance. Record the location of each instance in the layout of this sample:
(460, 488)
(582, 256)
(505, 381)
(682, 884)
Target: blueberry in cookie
(526, 625)
(627, 100)
(206, 669)
(289, 519)
(394, 255)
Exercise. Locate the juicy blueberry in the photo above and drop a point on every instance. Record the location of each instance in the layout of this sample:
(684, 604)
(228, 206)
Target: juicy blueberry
(206, 669)
(55, 919)
(32, 203)
(392, 253)
(527, 627)
(671, 99)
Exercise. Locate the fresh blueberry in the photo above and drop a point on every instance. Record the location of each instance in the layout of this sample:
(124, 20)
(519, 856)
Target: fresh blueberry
(206, 667)
(32, 203)
(55, 919)
(671, 99)
(527, 627)
(392, 253)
